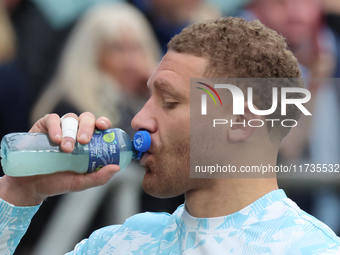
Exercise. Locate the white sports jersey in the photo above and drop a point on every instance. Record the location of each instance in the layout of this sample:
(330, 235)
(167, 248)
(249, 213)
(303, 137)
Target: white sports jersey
(271, 225)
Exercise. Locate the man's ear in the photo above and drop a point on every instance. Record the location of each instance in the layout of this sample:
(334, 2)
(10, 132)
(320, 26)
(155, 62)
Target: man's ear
(240, 130)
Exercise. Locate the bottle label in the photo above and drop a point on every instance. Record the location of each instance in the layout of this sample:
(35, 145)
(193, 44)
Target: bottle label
(103, 149)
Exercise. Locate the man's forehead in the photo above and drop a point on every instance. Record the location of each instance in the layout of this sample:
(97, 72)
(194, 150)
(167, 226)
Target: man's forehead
(184, 62)
(178, 65)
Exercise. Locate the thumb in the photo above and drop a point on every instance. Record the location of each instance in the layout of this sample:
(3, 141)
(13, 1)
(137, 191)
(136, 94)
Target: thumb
(101, 177)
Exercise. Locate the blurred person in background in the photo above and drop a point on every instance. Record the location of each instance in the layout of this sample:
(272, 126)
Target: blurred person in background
(168, 18)
(301, 22)
(13, 90)
(42, 28)
(104, 66)
(317, 48)
(38, 43)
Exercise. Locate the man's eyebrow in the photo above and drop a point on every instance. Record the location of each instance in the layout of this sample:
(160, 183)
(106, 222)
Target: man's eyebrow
(165, 87)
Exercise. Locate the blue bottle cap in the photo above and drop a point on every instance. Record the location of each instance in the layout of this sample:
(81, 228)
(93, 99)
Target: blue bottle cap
(142, 141)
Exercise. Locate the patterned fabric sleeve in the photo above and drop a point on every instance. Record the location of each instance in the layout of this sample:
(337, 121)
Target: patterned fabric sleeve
(96, 242)
(14, 222)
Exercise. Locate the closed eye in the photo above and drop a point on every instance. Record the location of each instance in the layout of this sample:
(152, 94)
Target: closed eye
(170, 105)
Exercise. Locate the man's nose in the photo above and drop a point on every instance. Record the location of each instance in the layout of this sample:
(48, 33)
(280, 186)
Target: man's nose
(145, 119)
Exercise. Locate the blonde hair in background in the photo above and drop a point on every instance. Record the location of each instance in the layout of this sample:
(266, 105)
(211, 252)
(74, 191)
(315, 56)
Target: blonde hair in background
(7, 36)
(79, 78)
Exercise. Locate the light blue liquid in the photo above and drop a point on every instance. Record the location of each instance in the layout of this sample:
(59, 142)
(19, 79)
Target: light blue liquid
(26, 154)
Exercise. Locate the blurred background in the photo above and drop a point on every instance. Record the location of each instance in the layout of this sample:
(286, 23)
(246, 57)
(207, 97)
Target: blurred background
(96, 55)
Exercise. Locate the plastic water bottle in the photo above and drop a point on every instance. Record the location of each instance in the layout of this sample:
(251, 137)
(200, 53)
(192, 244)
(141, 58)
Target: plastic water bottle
(25, 154)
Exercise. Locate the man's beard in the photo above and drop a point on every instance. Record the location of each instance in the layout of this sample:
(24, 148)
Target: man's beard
(167, 173)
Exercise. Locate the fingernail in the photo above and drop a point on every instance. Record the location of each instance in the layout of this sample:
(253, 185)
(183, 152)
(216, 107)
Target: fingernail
(57, 136)
(112, 173)
(83, 137)
(68, 144)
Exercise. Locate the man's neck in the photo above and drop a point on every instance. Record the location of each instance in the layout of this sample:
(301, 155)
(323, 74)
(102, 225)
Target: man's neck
(227, 196)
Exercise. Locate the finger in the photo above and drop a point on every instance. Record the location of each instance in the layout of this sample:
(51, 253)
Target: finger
(101, 177)
(86, 127)
(67, 142)
(40, 125)
(103, 123)
(69, 126)
(50, 124)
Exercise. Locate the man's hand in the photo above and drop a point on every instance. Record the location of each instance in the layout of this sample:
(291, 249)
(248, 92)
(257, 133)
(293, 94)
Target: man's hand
(32, 190)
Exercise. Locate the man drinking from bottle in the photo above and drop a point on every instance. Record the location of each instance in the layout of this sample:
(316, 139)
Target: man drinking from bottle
(220, 215)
